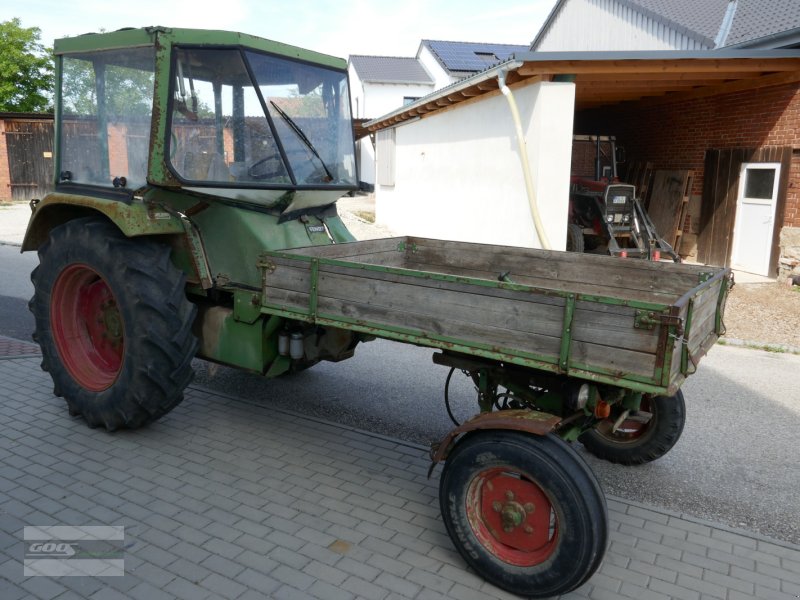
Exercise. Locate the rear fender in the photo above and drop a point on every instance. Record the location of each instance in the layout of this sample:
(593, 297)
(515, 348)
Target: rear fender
(528, 421)
(134, 218)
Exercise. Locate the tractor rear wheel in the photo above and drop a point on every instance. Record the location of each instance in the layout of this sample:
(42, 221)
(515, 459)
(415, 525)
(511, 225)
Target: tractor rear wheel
(113, 322)
(636, 443)
(524, 511)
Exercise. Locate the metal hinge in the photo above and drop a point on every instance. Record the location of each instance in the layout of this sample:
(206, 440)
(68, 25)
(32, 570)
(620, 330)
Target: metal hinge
(648, 319)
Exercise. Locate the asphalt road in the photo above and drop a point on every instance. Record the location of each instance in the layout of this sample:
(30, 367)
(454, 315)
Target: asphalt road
(737, 462)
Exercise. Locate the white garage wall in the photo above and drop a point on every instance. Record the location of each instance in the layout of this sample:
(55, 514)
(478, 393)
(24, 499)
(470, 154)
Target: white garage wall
(458, 173)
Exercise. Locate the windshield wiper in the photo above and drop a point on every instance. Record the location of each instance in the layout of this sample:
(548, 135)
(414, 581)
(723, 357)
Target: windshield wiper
(303, 137)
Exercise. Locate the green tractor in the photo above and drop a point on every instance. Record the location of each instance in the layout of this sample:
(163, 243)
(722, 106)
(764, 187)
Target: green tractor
(194, 215)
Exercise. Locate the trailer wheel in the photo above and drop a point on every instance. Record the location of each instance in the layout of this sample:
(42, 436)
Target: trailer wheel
(524, 511)
(575, 242)
(635, 443)
(113, 323)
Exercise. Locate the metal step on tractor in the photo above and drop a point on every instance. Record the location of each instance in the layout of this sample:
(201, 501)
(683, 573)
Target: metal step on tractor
(194, 215)
(604, 213)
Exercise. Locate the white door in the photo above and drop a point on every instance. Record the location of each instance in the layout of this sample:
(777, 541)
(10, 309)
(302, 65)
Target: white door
(755, 217)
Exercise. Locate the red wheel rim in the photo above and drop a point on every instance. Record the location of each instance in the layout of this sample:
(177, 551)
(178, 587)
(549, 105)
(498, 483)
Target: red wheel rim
(630, 430)
(87, 327)
(512, 517)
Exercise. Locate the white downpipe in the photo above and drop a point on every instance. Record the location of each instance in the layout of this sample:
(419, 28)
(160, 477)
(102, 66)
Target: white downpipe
(523, 156)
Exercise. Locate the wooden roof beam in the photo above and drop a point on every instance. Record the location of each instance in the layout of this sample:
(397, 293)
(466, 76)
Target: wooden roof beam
(698, 76)
(574, 67)
(732, 87)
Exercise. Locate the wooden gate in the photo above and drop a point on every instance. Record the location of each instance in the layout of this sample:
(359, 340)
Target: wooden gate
(720, 194)
(30, 157)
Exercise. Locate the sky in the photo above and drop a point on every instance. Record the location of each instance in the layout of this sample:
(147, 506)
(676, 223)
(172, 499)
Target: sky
(336, 27)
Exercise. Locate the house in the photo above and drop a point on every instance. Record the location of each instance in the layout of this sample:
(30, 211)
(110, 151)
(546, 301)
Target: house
(728, 115)
(732, 135)
(577, 25)
(379, 84)
(669, 107)
(449, 62)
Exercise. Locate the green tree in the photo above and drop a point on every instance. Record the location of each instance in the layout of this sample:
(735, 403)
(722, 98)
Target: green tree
(26, 69)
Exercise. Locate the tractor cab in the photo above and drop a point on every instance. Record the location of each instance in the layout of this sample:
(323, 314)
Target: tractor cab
(214, 113)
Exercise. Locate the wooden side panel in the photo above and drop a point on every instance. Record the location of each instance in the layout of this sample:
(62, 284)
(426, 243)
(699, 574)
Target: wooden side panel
(581, 273)
(521, 321)
(604, 336)
(439, 296)
(666, 202)
(704, 312)
(289, 284)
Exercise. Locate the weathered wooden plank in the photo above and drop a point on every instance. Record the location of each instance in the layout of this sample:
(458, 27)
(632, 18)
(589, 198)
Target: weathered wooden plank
(468, 288)
(486, 255)
(290, 278)
(611, 273)
(286, 299)
(699, 335)
(467, 333)
(623, 362)
(522, 316)
(609, 329)
(348, 249)
(666, 200)
(705, 233)
(547, 283)
(704, 314)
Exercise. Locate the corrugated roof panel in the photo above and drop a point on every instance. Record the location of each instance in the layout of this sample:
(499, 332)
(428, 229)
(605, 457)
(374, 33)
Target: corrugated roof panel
(470, 57)
(390, 69)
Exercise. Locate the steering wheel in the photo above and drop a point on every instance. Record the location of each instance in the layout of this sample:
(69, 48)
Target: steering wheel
(278, 171)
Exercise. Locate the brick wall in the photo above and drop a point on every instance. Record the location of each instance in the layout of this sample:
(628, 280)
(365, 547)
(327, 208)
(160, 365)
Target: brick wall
(5, 174)
(676, 136)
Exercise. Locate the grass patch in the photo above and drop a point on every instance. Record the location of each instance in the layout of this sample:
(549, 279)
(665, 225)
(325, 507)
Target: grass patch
(365, 215)
(757, 346)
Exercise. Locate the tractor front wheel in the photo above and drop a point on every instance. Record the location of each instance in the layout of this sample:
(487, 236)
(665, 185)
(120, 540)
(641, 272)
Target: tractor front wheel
(524, 511)
(113, 323)
(634, 442)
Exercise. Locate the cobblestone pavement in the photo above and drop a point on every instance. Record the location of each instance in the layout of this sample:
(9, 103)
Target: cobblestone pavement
(225, 499)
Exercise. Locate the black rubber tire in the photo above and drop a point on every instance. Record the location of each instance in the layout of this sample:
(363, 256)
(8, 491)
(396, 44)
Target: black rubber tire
(570, 486)
(156, 321)
(575, 241)
(661, 434)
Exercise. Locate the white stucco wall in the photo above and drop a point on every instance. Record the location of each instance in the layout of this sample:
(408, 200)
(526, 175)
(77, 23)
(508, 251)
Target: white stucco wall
(382, 98)
(610, 25)
(370, 100)
(459, 175)
(441, 77)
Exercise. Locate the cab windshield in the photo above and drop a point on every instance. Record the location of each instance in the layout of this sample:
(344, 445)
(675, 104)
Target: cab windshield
(246, 119)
